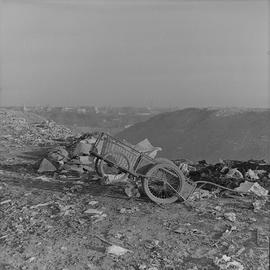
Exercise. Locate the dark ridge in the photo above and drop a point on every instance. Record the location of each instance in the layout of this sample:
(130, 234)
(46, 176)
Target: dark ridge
(209, 134)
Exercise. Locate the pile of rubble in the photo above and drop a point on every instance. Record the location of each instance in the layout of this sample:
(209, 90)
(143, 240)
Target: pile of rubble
(242, 176)
(73, 157)
(29, 129)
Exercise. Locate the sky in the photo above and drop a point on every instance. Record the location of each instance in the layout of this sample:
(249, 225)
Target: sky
(162, 53)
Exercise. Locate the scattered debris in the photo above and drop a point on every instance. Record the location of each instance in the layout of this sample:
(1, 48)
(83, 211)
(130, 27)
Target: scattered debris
(46, 166)
(44, 178)
(129, 211)
(93, 211)
(117, 250)
(76, 188)
(58, 154)
(31, 259)
(228, 173)
(180, 230)
(230, 216)
(253, 188)
(115, 178)
(252, 175)
(228, 232)
(95, 214)
(153, 268)
(5, 202)
(234, 174)
(29, 129)
(132, 190)
(200, 194)
(40, 205)
(258, 204)
(82, 149)
(93, 203)
(226, 263)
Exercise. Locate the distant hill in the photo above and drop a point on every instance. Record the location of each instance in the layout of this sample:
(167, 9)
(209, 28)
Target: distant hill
(208, 134)
(109, 119)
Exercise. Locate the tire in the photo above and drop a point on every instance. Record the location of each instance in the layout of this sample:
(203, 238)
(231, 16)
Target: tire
(97, 167)
(164, 160)
(156, 188)
(118, 159)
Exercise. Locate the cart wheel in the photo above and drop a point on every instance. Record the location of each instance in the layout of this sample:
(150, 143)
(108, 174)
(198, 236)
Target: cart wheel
(97, 167)
(116, 158)
(162, 183)
(164, 160)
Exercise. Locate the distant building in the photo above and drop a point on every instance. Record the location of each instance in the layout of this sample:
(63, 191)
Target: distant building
(67, 109)
(143, 113)
(25, 109)
(96, 109)
(127, 126)
(82, 110)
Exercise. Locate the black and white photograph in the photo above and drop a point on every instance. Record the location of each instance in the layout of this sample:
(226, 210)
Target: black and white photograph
(134, 135)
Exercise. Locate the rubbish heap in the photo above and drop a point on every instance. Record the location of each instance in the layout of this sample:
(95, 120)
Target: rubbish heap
(243, 176)
(72, 159)
(73, 156)
(29, 129)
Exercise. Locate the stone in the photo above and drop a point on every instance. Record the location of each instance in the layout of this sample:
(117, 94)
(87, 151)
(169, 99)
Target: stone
(85, 160)
(82, 149)
(46, 166)
(93, 203)
(93, 211)
(253, 188)
(230, 216)
(117, 250)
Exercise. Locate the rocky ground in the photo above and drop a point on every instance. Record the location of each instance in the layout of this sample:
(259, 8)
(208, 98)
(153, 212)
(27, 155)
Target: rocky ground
(77, 223)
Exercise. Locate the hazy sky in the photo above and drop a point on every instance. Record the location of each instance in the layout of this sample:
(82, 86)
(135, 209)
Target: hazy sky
(140, 52)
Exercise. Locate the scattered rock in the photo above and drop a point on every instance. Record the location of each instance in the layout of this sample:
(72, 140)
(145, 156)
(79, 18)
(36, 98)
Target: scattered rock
(226, 263)
(234, 173)
(199, 195)
(132, 190)
(5, 202)
(76, 188)
(93, 203)
(44, 178)
(252, 188)
(93, 211)
(59, 154)
(252, 175)
(129, 210)
(82, 149)
(117, 250)
(46, 166)
(31, 259)
(258, 205)
(230, 216)
(85, 160)
(40, 205)
(180, 230)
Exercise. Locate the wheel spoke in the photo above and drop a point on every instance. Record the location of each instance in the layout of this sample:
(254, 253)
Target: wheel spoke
(163, 183)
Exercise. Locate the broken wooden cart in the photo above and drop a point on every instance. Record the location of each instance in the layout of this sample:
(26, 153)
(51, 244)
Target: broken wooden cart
(162, 181)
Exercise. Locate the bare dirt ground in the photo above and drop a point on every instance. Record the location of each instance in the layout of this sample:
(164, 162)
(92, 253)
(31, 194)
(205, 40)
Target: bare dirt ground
(44, 225)
(52, 224)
